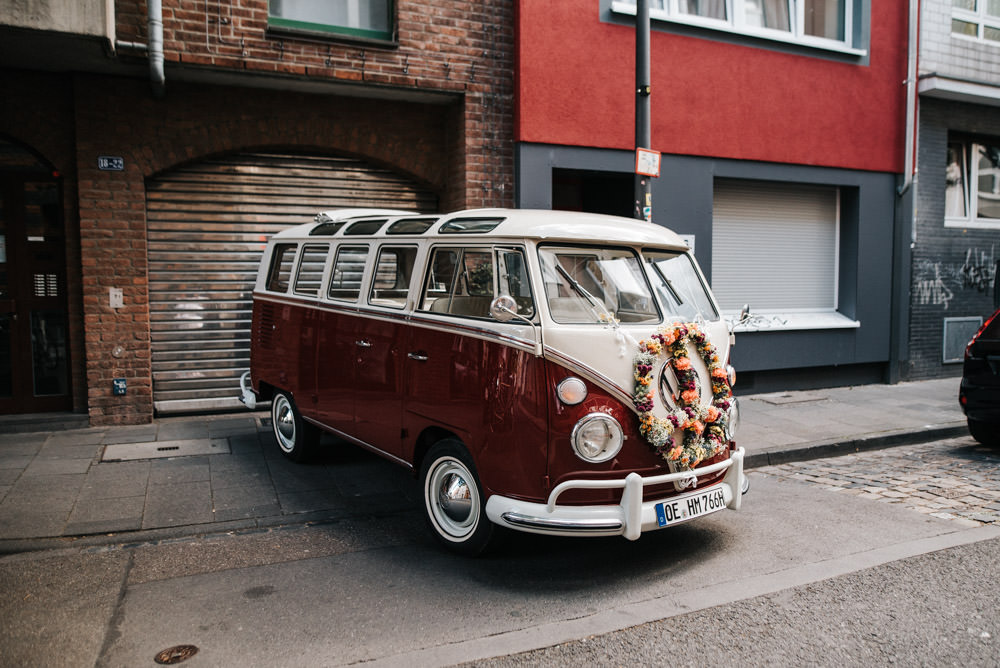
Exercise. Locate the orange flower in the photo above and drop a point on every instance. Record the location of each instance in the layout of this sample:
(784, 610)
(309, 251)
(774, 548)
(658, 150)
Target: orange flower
(682, 363)
(719, 372)
(670, 337)
(689, 396)
(713, 414)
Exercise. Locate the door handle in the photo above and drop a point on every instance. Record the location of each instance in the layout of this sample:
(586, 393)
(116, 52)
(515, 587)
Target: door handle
(363, 344)
(417, 357)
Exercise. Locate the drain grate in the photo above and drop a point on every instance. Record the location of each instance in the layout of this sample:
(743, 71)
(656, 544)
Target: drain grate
(175, 654)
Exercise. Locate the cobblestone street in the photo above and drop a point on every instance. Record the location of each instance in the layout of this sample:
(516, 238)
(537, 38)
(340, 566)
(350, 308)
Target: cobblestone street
(954, 479)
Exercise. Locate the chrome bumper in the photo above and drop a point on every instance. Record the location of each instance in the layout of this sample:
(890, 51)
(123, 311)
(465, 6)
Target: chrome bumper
(247, 395)
(629, 518)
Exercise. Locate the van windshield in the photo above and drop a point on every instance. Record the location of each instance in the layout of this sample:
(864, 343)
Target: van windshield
(679, 287)
(594, 285)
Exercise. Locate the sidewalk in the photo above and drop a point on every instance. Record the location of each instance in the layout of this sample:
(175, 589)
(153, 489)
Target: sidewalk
(181, 476)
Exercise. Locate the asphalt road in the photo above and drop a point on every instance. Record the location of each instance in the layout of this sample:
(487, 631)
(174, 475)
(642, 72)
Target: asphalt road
(826, 563)
(936, 609)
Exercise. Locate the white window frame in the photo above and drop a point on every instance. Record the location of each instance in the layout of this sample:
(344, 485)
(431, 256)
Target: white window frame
(970, 189)
(735, 23)
(979, 17)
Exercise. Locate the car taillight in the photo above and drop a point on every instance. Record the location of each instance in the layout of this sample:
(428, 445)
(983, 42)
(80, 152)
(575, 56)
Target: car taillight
(989, 320)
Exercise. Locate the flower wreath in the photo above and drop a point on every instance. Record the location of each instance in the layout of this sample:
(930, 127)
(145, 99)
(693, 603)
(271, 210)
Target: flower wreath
(704, 426)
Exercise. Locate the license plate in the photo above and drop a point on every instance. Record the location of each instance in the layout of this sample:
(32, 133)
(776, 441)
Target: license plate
(688, 507)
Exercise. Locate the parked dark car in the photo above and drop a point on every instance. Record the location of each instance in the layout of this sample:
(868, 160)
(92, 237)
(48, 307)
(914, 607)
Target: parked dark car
(979, 393)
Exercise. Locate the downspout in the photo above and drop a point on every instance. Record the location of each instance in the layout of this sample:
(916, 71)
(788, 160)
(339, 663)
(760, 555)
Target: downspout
(911, 97)
(155, 48)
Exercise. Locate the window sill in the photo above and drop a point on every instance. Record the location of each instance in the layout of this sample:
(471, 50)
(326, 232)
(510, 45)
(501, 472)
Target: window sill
(629, 9)
(787, 322)
(984, 224)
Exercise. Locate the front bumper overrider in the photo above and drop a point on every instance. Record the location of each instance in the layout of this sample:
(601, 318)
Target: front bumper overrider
(629, 518)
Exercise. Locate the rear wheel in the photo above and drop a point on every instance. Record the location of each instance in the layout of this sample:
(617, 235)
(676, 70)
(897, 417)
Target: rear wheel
(296, 439)
(987, 433)
(453, 499)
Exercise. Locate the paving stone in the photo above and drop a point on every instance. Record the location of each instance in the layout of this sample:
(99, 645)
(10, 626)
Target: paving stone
(182, 469)
(178, 504)
(106, 515)
(49, 467)
(943, 479)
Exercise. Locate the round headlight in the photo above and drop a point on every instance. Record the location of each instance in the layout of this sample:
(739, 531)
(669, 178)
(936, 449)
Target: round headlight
(571, 391)
(731, 375)
(597, 438)
(732, 419)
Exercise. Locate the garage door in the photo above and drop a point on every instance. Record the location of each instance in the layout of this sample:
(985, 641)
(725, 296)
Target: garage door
(207, 226)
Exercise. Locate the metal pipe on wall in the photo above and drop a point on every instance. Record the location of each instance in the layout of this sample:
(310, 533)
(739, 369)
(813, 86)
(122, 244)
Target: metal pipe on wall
(155, 48)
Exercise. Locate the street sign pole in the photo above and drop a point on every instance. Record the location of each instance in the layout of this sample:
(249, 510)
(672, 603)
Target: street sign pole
(643, 209)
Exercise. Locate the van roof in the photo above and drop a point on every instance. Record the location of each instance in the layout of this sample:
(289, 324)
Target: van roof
(538, 224)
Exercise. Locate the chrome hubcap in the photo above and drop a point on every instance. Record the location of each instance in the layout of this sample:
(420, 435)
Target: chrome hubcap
(455, 498)
(452, 498)
(284, 424)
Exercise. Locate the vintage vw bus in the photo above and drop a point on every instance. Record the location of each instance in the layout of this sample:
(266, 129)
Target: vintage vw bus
(546, 371)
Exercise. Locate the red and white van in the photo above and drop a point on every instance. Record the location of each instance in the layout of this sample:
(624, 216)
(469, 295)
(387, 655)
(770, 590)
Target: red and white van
(545, 371)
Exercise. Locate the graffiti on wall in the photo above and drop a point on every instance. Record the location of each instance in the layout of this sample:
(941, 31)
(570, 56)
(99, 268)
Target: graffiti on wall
(979, 269)
(929, 287)
(936, 282)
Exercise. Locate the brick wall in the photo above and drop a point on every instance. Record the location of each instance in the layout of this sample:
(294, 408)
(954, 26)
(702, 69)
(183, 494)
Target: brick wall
(459, 47)
(942, 255)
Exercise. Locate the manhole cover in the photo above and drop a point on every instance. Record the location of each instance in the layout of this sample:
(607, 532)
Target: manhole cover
(175, 654)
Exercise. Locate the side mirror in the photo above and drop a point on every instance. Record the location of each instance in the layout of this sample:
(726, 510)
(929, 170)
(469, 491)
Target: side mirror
(503, 308)
(744, 313)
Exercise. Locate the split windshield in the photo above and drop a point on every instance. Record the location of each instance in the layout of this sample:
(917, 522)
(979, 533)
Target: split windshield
(594, 285)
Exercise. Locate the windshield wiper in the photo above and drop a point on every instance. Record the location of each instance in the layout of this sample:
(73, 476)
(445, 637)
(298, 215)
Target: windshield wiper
(598, 306)
(668, 283)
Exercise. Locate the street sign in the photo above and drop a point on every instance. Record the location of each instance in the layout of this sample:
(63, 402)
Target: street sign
(647, 162)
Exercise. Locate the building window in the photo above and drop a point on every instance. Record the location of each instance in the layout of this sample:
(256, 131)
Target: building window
(979, 19)
(360, 19)
(821, 23)
(972, 185)
(776, 247)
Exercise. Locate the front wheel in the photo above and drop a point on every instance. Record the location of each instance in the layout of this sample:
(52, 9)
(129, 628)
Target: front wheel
(453, 499)
(987, 433)
(296, 439)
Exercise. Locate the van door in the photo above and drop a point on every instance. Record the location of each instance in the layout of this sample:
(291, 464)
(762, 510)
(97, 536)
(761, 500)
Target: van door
(337, 345)
(379, 346)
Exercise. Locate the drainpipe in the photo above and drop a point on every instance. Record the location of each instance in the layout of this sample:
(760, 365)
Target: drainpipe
(155, 49)
(911, 97)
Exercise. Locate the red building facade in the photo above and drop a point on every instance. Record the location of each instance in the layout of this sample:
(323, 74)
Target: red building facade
(783, 132)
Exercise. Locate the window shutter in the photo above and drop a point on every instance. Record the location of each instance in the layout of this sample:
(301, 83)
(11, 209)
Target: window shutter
(774, 246)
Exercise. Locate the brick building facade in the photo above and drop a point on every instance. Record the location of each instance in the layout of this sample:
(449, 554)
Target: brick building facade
(419, 116)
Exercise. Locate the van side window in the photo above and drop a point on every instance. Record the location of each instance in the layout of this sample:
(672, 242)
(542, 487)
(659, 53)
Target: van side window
(460, 281)
(311, 264)
(513, 280)
(348, 270)
(393, 269)
(280, 272)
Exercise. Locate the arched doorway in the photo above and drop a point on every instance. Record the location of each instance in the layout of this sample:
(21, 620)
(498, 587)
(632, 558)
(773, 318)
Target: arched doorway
(34, 322)
(207, 224)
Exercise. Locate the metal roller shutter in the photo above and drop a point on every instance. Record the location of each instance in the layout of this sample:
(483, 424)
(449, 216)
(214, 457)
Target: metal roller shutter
(207, 226)
(774, 246)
